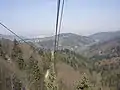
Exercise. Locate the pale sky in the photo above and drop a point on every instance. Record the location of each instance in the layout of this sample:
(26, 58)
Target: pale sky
(37, 17)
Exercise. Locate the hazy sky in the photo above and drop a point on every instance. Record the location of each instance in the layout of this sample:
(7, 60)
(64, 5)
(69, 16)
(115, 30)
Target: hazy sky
(37, 17)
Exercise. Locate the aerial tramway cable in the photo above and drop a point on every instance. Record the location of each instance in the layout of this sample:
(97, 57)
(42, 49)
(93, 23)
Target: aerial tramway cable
(16, 35)
(56, 27)
(57, 23)
(60, 24)
(57, 33)
(12, 32)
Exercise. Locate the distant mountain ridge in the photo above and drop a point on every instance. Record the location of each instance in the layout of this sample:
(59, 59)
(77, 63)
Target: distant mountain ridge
(105, 49)
(70, 40)
(67, 40)
(105, 36)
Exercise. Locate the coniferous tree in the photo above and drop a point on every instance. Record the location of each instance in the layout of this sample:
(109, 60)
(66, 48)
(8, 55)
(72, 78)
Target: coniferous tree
(83, 84)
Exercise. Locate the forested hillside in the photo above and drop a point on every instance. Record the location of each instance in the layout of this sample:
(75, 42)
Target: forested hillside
(24, 68)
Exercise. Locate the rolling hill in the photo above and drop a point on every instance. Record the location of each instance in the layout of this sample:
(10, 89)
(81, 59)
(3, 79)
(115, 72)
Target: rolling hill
(105, 36)
(105, 49)
(71, 41)
(76, 42)
(67, 40)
